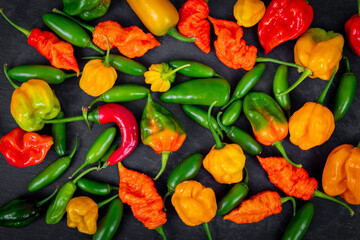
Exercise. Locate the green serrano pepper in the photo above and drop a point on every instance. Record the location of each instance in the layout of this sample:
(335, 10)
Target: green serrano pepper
(199, 92)
(196, 69)
(49, 74)
(232, 113)
(76, 7)
(58, 132)
(95, 187)
(185, 170)
(280, 84)
(345, 93)
(298, 225)
(122, 93)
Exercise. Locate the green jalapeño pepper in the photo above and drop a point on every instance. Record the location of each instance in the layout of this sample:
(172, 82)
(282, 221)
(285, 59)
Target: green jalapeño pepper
(199, 92)
(196, 69)
(280, 84)
(268, 121)
(74, 7)
(58, 132)
(21, 212)
(232, 113)
(161, 130)
(95, 187)
(96, 12)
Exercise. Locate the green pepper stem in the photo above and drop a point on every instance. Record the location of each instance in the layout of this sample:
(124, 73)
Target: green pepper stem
(94, 101)
(174, 33)
(229, 102)
(42, 202)
(348, 70)
(21, 29)
(164, 158)
(358, 145)
(114, 188)
(92, 57)
(79, 169)
(285, 199)
(160, 230)
(246, 180)
(100, 204)
(106, 60)
(168, 74)
(326, 89)
(84, 112)
(70, 75)
(84, 173)
(359, 7)
(218, 142)
(307, 72)
(96, 48)
(84, 25)
(169, 193)
(280, 147)
(263, 59)
(74, 149)
(9, 78)
(64, 120)
(317, 193)
(207, 230)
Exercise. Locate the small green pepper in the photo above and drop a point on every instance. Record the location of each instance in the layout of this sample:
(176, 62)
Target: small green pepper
(76, 7)
(58, 132)
(232, 113)
(196, 69)
(95, 187)
(96, 12)
(280, 84)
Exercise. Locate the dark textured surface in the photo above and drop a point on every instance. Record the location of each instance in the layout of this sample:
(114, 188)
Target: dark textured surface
(330, 221)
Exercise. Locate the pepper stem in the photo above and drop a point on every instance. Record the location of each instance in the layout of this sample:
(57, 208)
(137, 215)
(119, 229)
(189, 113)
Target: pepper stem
(207, 230)
(42, 202)
(280, 147)
(9, 78)
(21, 29)
(348, 70)
(74, 149)
(219, 144)
(84, 112)
(326, 89)
(359, 7)
(94, 101)
(285, 199)
(169, 193)
(106, 60)
(307, 72)
(174, 33)
(84, 173)
(64, 120)
(78, 170)
(317, 193)
(168, 74)
(100, 204)
(70, 75)
(358, 145)
(246, 180)
(164, 158)
(84, 25)
(229, 102)
(263, 59)
(160, 230)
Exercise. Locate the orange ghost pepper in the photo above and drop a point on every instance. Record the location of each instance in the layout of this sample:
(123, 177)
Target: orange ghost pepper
(341, 175)
(194, 204)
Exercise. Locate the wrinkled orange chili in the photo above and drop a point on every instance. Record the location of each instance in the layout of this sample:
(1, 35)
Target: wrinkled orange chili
(193, 23)
(256, 208)
(230, 48)
(138, 190)
(293, 181)
(131, 41)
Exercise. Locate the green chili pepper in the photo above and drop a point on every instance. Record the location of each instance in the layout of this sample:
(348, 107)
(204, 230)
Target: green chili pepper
(58, 132)
(69, 31)
(48, 74)
(242, 138)
(298, 225)
(76, 7)
(51, 172)
(98, 148)
(200, 116)
(199, 92)
(345, 93)
(109, 224)
(232, 113)
(21, 212)
(95, 187)
(280, 84)
(96, 12)
(196, 69)
(234, 197)
(122, 93)
(247, 82)
(185, 170)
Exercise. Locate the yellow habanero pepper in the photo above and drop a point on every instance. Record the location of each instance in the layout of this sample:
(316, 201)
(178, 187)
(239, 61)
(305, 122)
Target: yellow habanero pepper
(82, 212)
(194, 204)
(98, 76)
(249, 12)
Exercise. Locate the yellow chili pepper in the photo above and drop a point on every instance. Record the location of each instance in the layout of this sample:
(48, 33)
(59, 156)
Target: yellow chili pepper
(249, 12)
(82, 212)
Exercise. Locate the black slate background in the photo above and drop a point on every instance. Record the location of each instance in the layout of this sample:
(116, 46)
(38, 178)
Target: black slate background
(330, 221)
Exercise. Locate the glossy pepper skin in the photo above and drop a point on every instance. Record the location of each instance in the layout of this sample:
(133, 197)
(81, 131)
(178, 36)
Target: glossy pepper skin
(82, 212)
(249, 12)
(352, 30)
(161, 130)
(341, 171)
(284, 20)
(196, 69)
(86, 9)
(320, 51)
(96, 12)
(58, 132)
(24, 149)
(95, 187)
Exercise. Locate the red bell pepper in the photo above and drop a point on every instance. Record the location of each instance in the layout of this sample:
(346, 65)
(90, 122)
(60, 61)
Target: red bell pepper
(352, 30)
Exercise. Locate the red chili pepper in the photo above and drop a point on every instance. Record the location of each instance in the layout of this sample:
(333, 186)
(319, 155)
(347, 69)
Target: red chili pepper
(352, 30)
(284, 20)
(193, 23)
(23, 149)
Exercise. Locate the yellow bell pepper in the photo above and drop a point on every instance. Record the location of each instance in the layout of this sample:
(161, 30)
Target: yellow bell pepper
(33, 102)
(82, 212)
(225, 164)
(249, 12)
(194, 203)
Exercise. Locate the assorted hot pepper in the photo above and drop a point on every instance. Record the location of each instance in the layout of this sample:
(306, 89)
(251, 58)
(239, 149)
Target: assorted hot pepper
(352, 30)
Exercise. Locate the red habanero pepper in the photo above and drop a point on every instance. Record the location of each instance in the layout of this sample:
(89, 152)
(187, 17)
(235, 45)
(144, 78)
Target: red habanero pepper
(59, 53)
(138, 190)
(284, 20)
(352, 30)
(24, 149)
(293, 181)
(193, 23)
(230, 48)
